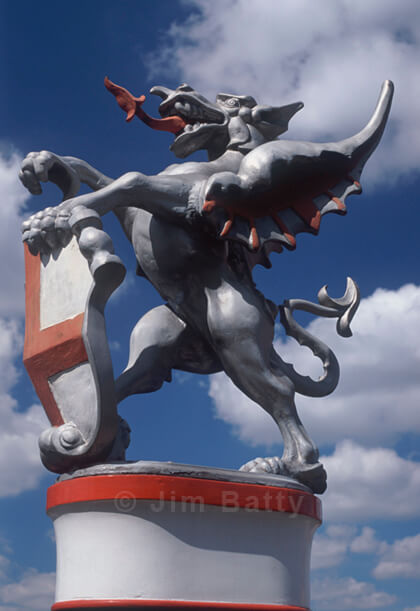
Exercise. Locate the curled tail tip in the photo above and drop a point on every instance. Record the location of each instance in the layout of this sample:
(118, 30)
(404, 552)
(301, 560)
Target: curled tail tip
(344, 330)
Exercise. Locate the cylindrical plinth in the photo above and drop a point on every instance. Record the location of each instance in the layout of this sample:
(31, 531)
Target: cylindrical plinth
(170, 541)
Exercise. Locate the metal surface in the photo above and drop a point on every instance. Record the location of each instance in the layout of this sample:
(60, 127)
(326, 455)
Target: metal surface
(197, 230)
(153, 467)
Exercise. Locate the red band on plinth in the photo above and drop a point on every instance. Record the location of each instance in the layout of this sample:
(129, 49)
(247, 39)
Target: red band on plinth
(184, 490)
(169, 604)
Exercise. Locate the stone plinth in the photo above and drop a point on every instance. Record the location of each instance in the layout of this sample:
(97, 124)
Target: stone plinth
(186, 538)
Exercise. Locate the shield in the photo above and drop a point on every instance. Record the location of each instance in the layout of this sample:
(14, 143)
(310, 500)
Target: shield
(66, 351)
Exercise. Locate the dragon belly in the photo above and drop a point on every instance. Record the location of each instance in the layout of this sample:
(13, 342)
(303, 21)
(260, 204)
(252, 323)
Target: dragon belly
(170, 257)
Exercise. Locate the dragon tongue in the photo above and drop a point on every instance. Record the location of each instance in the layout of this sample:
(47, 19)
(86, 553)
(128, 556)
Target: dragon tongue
(173, 124)
(133, 106)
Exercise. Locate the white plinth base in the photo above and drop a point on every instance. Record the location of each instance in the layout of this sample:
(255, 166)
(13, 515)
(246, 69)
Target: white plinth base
(168, 541)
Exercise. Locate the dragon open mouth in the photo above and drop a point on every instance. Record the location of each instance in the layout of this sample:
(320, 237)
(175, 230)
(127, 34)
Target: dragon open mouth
(188, 115)
(133, 107)
(194, 112)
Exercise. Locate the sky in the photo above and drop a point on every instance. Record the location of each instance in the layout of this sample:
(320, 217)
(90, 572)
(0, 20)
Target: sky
(332, 55)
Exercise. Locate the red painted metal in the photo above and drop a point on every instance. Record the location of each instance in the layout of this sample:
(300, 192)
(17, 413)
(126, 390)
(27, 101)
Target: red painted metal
(184, 489)
(51, 350)
(133, 107)
(169, 604)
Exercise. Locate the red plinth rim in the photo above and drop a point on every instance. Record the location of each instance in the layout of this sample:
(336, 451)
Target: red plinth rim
(169, 604)
(186, 490)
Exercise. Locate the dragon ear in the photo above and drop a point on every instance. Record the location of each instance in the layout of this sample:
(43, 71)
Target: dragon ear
(272, 121)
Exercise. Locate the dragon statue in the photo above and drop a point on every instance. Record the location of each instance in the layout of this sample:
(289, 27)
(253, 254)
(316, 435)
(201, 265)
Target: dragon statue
(198, 229)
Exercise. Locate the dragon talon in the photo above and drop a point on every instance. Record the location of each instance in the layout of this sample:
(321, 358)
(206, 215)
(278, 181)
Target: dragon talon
(285, 230)
(226, 228)
(228, 224)
(309, 213)
(340, 205)
(354, 181)
(254, 237)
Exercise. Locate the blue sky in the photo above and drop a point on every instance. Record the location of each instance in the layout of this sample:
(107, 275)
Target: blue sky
(334, 57)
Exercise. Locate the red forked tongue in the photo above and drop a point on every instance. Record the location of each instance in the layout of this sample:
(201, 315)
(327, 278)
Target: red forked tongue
(133, 106)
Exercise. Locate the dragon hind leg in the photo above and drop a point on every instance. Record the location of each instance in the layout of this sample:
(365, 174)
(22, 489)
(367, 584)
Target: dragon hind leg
(300, 455)
(253, 366)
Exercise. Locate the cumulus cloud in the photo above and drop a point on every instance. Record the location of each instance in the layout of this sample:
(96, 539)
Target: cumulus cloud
(19, 430)
(334, 546)
(348, 593)
(4, 565)
(13, 199)
(367, 543)
(333, 59)
(378, 395)
(330, 549)
(401, 559)
(359, 484)
(33, 592)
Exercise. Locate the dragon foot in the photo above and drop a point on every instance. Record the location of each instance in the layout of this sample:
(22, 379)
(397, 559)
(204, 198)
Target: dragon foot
(312, 475)
(272, 464)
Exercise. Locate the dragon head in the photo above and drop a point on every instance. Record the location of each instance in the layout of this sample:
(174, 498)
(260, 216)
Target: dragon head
(205, 123)
(233, 122)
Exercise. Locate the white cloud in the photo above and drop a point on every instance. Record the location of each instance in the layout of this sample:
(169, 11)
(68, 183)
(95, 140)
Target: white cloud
(182, 377)
(378, 394)
(401, 559)
(250, 423)
(19, 430)
(333, 59)
(331, 548)
(347, 593)
(34, 592)
(13, 198)
(367, 543)
(19, 447)
(361, 484)
(4, 565)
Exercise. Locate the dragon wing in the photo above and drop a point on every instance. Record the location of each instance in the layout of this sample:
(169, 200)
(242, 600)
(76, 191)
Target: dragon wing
(285, 187)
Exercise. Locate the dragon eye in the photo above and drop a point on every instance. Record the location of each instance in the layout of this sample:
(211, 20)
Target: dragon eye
(232, 102)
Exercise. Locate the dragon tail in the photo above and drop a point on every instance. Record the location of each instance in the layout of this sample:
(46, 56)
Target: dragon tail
(360, 146)
(344, 309)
